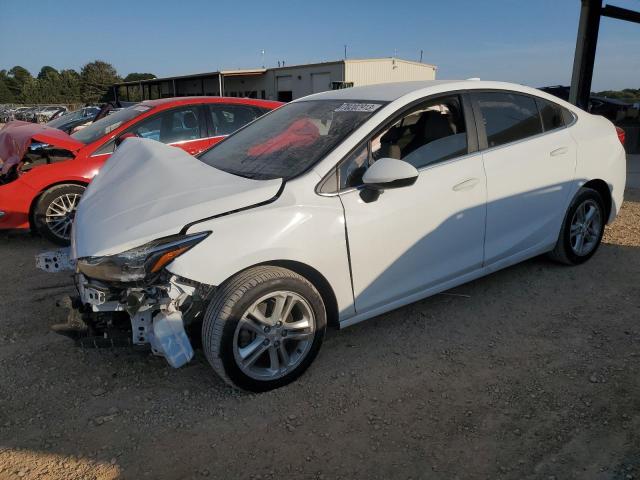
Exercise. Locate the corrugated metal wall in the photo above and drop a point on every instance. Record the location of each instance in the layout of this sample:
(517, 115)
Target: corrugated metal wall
(384, 70)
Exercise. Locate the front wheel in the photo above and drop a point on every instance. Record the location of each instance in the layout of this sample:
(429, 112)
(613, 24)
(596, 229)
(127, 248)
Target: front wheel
(55, 210)
(263, 328)
(582, 229)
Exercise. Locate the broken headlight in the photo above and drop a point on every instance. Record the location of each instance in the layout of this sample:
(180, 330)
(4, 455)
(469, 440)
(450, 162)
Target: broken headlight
(139, 263)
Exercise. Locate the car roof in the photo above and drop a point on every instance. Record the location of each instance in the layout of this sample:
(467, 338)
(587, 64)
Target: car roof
(174, 101)
(388, 92)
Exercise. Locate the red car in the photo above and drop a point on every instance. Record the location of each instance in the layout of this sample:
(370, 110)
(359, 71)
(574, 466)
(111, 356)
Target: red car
(44, 171)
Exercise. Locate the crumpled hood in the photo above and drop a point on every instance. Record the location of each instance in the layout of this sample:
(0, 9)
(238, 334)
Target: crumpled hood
(16, 137)
(148, 190)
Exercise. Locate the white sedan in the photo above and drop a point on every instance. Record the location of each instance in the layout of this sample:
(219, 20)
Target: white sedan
(334, 209)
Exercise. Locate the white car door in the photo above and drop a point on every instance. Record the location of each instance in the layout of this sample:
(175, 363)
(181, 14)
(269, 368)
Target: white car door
(530, 161)
(412, 238)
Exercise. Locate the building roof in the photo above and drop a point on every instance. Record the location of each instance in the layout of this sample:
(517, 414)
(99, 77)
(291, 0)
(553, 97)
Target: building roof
(353, 60)
(260, 71)
(229, 73)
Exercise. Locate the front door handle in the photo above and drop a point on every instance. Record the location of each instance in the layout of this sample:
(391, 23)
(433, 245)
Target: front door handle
(465, 185)
(559, 151)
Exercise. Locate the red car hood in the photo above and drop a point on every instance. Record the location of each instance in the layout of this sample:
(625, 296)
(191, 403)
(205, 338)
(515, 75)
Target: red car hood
(16, 137)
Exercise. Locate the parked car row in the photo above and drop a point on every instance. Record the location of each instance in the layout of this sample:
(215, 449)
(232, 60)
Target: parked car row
(330, 210)
(44, 170)
(35, 114)
(71, 121)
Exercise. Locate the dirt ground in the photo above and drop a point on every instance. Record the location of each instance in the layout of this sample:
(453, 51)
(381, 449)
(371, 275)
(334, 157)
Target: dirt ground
(533, 372)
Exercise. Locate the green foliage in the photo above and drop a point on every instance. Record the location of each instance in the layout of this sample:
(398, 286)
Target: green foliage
(630, 95)
(134, 77)
(6, 96)
(15, 81)
(96, 78)
(21, 74)
(47, 72)
(91, 85)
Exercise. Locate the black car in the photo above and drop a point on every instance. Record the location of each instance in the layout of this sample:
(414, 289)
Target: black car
(610, 108)
(71, 120)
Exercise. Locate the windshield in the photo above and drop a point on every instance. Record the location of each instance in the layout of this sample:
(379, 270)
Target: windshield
(61, 120)
(289, 140)
(108, 124)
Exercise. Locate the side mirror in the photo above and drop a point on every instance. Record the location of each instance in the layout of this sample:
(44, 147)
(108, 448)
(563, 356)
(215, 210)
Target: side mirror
(388, 173)
(123, 137)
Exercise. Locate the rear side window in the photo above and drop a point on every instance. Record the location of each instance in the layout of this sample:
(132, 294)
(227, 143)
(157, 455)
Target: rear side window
(551, 114)
(226, 119)
(508, 117)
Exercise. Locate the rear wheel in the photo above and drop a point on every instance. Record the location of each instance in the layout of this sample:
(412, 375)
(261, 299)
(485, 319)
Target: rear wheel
(263, 328)
(54, 213)
(582, 229)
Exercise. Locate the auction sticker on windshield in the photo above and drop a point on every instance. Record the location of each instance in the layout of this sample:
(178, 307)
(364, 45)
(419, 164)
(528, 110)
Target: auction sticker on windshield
(358, 107)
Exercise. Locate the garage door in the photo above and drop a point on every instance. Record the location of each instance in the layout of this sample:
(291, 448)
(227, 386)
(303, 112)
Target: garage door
(284, 83)
(284, 88)
(320, 82)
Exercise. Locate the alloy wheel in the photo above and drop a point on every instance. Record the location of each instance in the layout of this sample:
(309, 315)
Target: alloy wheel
(60, 213)
(274, 335)
(586, 226)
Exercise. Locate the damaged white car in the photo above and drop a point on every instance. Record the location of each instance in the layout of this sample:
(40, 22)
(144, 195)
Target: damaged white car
(330, 210)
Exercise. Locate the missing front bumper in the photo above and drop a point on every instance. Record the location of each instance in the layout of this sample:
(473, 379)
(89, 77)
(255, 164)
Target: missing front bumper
(155, 317)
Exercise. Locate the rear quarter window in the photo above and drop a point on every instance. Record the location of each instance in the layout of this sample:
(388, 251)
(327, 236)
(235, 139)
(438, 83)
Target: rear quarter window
(551, 114)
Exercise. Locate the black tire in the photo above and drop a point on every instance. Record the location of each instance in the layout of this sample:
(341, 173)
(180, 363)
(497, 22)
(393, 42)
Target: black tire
(563, 251)
(48, 201)
(231, 301)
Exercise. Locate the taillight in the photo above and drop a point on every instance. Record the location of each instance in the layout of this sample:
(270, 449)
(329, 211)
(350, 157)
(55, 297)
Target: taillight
(621, 135)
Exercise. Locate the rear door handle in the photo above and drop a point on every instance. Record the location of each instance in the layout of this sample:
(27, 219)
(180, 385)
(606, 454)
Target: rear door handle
(465, 185)
(559, 151)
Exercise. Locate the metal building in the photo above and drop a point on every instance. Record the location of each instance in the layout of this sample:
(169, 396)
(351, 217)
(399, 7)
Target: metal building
(282, 83)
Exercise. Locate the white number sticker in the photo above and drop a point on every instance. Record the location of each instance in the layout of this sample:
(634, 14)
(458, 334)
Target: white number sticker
(358, 107)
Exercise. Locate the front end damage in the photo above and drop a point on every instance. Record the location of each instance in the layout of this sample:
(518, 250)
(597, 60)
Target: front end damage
(25, 146)
(164, 315)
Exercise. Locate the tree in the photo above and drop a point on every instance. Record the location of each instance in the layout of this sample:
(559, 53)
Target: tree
(70, 86)
(6, 96)
(96, 79)
(21, 74)
(47, 72)
(16, 79)
(135, 77)
(33, 92)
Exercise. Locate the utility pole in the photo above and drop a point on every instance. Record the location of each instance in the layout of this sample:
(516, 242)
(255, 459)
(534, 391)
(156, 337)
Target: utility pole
(345, 52)
(420, 56)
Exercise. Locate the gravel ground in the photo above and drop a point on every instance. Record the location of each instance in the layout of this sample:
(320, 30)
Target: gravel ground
(530, 373)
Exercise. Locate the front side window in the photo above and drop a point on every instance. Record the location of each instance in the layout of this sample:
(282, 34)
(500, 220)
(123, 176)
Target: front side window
(170, 126)
(289, 140)
(226, 119)
(508, 117)
(431, 133)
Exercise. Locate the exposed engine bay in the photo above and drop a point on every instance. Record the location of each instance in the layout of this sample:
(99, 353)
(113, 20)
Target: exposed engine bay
(38, 154)
(163, 315)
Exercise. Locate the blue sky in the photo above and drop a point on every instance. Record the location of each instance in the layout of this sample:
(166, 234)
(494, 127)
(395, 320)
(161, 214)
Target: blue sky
(524, 41)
